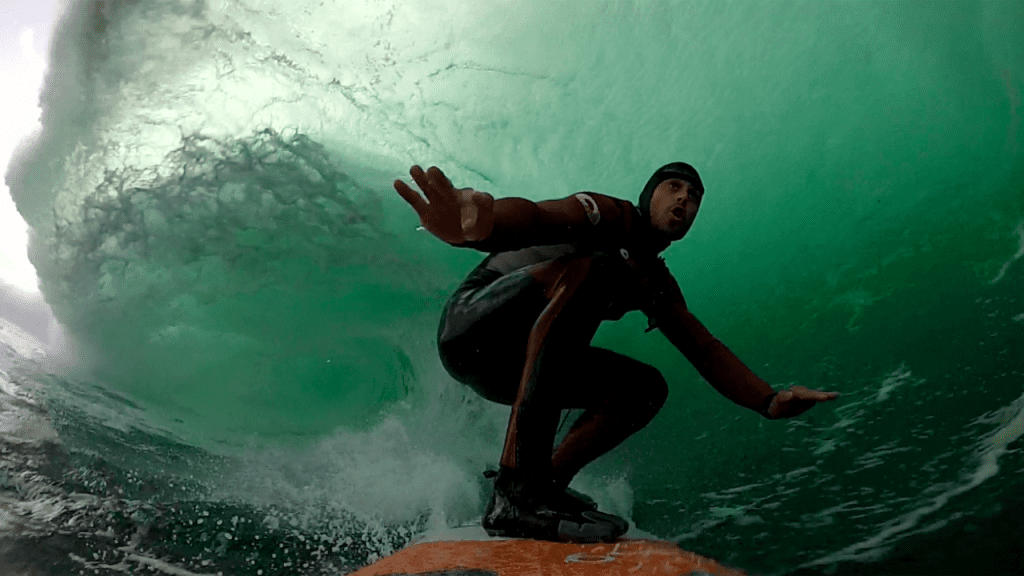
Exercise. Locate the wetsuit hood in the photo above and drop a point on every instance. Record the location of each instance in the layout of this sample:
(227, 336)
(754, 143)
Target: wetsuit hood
(680, 170)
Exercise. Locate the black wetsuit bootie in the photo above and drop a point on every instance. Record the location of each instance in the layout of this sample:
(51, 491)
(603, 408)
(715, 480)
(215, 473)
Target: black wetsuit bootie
(563, 499)
(521, 508)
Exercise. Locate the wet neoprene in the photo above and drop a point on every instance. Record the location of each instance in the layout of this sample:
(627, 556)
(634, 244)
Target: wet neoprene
(767, 404)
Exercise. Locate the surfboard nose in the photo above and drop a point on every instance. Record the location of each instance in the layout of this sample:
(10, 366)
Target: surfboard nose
(467, 551)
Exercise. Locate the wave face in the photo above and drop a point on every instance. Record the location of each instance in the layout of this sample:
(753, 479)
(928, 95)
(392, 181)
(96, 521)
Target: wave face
(250, 312)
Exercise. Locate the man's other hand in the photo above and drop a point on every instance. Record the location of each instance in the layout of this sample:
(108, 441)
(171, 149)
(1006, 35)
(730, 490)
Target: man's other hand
(796, 401)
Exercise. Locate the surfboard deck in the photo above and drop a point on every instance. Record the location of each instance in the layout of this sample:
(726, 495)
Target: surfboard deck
(468, 551)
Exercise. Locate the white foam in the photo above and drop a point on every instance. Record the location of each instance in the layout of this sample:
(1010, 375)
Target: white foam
(21, 425)
(22, 419)
(892, 381)
(20, 341)
(1020, 254)
(469, 531)
(388, 474)
(426, 457)
(124, 566)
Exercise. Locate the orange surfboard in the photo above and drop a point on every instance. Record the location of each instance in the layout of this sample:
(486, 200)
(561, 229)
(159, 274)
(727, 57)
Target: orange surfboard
(517, 557)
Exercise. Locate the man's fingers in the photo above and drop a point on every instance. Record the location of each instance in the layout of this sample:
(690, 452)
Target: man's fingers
(435, 185)
(420, 178)
(423, 180)
(804, 393)
(817, 395)
(439, 181)
(412, 197)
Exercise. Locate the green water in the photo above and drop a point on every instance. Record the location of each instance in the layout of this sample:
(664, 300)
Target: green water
(213, 222)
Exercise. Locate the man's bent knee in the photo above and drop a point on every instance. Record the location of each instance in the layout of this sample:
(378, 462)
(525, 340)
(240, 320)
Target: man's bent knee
(649, 392)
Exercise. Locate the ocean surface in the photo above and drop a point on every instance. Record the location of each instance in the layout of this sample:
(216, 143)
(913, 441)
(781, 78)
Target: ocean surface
(245, 380)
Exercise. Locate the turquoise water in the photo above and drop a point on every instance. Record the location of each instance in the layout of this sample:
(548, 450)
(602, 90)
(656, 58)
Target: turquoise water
(251, 311)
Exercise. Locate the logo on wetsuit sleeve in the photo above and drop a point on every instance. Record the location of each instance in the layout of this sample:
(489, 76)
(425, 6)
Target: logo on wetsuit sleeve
(590, 205)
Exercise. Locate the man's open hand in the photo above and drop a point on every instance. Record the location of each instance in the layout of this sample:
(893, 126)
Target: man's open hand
(796, 401)
(455, 215)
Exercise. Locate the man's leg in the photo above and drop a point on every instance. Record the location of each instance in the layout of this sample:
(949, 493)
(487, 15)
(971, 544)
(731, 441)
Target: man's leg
(480, 340)
(622, 396)
(562, 329)
(562, 370)
(482, 335)
(524, 503)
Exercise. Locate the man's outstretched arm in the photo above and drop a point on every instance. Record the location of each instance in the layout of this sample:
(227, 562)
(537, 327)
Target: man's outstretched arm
(466, 217)
(726, 373)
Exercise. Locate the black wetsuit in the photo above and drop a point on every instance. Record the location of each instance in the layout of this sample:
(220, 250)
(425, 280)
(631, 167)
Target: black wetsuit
(520, 342)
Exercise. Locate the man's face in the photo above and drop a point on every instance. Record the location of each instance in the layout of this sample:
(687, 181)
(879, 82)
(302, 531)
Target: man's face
(674, 205)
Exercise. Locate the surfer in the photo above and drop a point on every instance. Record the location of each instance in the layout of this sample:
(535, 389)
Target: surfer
(518, 331)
